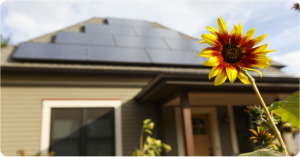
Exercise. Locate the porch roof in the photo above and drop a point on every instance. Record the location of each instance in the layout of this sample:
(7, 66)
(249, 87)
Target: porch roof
(168, 86)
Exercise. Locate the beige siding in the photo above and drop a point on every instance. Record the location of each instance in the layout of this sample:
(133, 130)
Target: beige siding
(21, 108)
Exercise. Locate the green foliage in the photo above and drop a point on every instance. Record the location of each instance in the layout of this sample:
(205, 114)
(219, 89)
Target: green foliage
(151, 146)
(264, 127)
(287, 109)
(4, 41)
(263, 152)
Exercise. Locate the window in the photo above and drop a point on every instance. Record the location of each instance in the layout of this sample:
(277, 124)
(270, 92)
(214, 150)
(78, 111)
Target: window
(81, 127)
(82, 131)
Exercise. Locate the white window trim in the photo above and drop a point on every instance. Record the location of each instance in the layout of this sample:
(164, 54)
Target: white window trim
(80, 103)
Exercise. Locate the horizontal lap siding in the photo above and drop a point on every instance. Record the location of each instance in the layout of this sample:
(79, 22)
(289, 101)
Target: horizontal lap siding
(21, 113)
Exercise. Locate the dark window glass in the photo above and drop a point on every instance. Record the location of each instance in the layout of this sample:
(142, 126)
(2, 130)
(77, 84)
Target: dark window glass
(242, 125)
(82, 131)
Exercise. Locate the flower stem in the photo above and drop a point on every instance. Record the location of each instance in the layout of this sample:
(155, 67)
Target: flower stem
(252, 81)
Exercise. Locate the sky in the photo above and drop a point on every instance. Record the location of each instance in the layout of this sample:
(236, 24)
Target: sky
(24, 20)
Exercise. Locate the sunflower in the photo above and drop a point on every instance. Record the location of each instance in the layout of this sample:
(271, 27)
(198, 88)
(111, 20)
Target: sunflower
(232, 51)
(254, 112)
(263, 138)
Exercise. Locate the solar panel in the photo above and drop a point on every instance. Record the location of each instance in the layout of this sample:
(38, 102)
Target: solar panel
(140, 42)
(107, 29)
(186, 44)
(127, 22)
(156, 32)
(83, 38)
(46, 51)
(174, 57)
(115, 54)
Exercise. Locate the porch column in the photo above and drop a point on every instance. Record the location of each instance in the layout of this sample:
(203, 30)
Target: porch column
(186, 119)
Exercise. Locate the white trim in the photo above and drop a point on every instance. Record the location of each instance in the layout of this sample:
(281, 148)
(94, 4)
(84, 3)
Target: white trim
(217, 149)
(46, 118)
(234, 141)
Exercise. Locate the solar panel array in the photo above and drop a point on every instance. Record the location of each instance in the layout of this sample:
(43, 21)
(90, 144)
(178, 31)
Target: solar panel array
(119, 41)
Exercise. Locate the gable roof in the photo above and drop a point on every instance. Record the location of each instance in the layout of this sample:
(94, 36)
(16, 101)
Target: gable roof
(9, 63)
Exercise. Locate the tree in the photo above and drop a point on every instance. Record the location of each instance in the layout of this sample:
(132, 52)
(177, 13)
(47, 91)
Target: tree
(296, 6)
(5, 41)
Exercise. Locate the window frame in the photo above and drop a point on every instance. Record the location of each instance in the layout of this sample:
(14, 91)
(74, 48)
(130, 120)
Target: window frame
(48, 104)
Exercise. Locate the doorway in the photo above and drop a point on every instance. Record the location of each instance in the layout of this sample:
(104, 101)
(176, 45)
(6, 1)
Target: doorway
(202, 135)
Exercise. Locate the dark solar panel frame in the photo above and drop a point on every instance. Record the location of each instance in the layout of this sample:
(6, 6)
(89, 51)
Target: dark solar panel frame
(128, 22)
(46, 51)
(117, 55)
(108, 29)
(156, 32)
(140, 42)
(84, 38)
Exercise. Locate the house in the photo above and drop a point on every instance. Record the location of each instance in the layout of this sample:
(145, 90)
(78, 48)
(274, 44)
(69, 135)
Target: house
(86, 89)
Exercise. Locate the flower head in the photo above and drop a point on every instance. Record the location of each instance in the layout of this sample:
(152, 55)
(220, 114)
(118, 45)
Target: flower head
(263, 138)
(254, 111)
(231, 51)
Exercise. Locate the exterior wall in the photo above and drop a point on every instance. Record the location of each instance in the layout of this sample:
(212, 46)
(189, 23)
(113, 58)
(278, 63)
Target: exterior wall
(169, 128)
(224, 130)
(21, 105)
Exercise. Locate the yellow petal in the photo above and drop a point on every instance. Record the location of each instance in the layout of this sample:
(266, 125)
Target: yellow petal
(254, 132)
(243, 78)
(274, 146)
(262, 64)
(203, 41)
(207, 52)
(213, 61)
(264, 52)
(210, 39)
(258, 130)
(258, 39)
(239, 30)
(222, 26)
(249, 35)
(255, 141)
(231, 73)
(233, 30)
(274, 142)
(252, 138)
(254, 70)
(261, 48)
(212, 30)
(221, 78)
(214, 71)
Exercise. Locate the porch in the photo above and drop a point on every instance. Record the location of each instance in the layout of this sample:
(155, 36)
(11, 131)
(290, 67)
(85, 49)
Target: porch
(204, 115)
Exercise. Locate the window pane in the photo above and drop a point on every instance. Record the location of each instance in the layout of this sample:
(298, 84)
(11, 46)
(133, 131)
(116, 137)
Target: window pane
(65, 129)
(100, 132)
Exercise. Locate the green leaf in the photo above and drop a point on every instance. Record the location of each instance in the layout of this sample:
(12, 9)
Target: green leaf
(275, 105)
(263, 152)
(151, 152)
(149, 140)
(257, 147)
(148, 131)
(157, 152)
(151, 125)
(289, 109)
(257, 122)
(277, 119)
(264, 127)
(146, 121)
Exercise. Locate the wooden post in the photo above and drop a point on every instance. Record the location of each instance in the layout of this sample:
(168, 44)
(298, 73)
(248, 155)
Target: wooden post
(186, 119)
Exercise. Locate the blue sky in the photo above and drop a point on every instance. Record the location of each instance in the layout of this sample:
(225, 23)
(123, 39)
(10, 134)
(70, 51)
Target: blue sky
(24, 20)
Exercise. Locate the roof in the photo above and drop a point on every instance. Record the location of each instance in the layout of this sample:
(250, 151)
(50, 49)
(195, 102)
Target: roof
(10, 63)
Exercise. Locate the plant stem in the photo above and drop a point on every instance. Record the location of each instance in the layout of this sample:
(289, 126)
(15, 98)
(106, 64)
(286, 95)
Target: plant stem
(252, 81)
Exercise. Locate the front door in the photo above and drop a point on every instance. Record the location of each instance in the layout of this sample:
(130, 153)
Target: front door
(202, 135)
